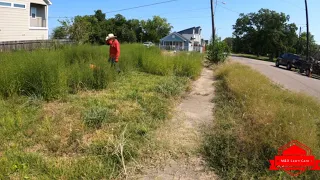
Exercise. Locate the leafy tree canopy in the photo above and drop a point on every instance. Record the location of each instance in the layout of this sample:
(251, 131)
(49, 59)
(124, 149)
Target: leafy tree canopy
(94, 28)
(266, 32)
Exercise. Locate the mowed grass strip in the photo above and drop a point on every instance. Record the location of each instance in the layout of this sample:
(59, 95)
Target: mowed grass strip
(91, 135)
(253, 118)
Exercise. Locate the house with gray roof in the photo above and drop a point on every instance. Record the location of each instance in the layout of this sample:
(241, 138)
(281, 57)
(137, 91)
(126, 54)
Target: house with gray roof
(185, 40)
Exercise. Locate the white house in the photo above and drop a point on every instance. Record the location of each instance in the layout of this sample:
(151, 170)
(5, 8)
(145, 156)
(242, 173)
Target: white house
(194, 34)
(24, 20)
(187, 40)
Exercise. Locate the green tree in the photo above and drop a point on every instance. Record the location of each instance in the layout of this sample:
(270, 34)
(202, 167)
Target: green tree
(265, 33)
(81, 29)
(156, 28)
(217, 51)
(229, 42)
(122, 28)
(302, 44)
(62, 31)
(59, 33)
(94, 28)
(99, 28)
(135, 27)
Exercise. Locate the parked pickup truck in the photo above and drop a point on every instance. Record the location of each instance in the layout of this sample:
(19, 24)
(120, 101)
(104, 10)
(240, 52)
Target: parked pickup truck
(289, 60)
(309, 67)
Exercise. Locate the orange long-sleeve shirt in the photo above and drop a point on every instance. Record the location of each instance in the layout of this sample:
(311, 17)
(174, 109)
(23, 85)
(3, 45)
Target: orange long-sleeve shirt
(115, 50)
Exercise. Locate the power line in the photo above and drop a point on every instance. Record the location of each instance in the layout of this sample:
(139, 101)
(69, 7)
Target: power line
(141, 17)
(136, 7)
(196, 17)
(293, 4)
(230, 10)
(191, 17)
(147, 5)
(188, 10)
(59, 17)
(215, 8)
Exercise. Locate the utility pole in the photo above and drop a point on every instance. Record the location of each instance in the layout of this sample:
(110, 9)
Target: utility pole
(307, 16)
(212, 17)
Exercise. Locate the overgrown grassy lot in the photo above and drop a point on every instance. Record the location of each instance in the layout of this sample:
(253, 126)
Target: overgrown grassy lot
(60, 119)
(53, 74)
(253, 118)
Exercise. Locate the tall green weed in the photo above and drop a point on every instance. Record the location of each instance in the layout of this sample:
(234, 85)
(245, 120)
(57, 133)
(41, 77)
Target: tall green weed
(52, 74)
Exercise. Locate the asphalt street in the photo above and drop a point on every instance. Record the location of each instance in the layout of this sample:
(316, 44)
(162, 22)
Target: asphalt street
(288, 79)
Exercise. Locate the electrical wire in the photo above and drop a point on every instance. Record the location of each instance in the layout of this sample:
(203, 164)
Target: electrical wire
(215, 8)
(185, 10)
(144, 17)
(293, 4)
(147, 5)
(125, 9)
(60, 17)
(230, 9)
(191, 17)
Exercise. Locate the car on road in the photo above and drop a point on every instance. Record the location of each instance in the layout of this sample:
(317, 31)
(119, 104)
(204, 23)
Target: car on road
(289, 60)
(310, 67)
(315, 68)
(148, 44)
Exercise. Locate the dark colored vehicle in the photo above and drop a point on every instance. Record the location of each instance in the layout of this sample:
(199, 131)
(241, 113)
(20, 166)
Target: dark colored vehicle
(289, 60)
(315, 68)
(309, 67)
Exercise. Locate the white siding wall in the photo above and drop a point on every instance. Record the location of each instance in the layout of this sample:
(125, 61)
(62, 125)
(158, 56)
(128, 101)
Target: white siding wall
(15, 23)
(196, 36)
(190, 47)
(36, 1)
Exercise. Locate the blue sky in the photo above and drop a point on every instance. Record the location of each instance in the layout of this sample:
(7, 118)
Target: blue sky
(188, 13)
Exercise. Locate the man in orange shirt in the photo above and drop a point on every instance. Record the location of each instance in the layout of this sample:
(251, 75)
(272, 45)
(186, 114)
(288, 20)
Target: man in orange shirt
(114, 52)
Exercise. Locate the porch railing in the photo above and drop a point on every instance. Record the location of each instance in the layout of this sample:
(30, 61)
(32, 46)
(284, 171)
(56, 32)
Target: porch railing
(38, 22)
(170, 47)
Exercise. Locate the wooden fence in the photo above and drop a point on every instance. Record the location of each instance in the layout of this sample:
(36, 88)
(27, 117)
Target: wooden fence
(32, 45)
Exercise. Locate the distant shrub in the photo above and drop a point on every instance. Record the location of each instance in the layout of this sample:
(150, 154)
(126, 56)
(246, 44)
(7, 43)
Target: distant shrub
(217, 51)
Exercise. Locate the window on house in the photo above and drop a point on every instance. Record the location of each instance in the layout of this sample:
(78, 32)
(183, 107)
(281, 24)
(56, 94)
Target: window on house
(33, 12)
(19, 5)
(6, 4)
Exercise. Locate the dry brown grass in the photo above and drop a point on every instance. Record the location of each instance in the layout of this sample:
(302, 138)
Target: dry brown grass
(253, 118)
(82, 135)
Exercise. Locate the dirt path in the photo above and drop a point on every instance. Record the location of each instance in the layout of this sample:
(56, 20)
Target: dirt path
(176, 150)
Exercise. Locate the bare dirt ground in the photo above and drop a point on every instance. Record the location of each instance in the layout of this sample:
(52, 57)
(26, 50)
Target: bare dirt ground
(175, 153)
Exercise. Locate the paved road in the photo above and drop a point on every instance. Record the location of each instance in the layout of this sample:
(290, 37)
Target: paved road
(289, 79)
